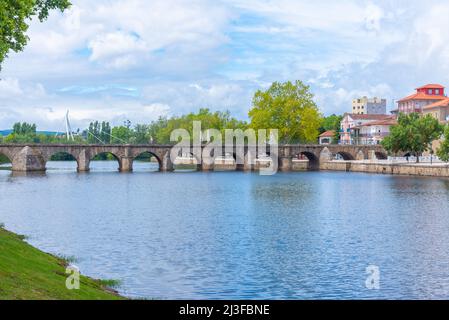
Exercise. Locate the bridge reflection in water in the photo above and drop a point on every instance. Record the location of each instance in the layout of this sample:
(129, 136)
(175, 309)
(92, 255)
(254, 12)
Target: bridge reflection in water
(29, 158)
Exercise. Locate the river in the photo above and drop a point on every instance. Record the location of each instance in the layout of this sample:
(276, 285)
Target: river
(234, 235)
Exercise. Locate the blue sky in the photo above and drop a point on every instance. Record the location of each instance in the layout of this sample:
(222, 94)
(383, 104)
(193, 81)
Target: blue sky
(135, 59)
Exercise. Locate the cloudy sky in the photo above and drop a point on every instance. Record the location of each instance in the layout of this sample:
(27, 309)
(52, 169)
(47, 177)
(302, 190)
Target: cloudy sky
(140, 59)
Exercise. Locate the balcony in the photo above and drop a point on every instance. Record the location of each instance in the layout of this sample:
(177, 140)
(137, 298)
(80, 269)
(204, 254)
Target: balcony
(369, 135)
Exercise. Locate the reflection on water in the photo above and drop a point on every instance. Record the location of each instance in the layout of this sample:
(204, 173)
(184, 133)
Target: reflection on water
(100, 166)
(239, 236)
(5, 166)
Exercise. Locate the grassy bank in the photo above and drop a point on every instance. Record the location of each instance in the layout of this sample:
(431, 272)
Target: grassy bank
(27, 273)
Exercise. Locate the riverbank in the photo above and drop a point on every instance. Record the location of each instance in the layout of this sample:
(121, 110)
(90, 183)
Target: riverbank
(27, 273)
(385, 167)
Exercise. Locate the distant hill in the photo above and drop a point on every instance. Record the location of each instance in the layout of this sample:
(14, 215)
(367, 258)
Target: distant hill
(47, 133)
(5, 132)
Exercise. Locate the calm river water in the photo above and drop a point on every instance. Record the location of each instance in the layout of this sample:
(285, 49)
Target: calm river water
(236, 235)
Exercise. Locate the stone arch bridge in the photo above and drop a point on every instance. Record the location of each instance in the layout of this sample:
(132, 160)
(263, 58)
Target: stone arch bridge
(33, 157)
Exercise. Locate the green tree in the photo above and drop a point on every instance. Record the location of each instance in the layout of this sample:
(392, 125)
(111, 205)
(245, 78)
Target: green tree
(24, 128)
(121, 135)
(332, 123)
(443, 151)
(157, 130)
(22, 133)
(93, 133)
(15, 16)
(99, 132)
(141, 134)
(288, 107)
(413, 134)
(105, 132)
(161, 129)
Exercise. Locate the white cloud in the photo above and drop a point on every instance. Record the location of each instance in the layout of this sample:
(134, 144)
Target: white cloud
(187, 97)
(116, 49)
(9, 87)
(113, 44)
(427, 41)
(137, 59)
(373, 17)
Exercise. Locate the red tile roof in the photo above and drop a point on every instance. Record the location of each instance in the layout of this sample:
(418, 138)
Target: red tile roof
(431, 86)
(442, 103)
(369, 116)
(422, 96)
(330, 133)
(387, 122)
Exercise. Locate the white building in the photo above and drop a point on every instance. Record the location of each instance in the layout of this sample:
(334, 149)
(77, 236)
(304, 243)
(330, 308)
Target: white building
(373, 132)
(351, 121)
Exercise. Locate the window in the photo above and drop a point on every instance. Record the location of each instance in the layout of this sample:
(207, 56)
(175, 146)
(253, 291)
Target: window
(430, 91)
(437, 91)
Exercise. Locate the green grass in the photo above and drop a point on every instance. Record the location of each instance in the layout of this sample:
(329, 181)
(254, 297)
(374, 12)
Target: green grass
(67, 259)
(27, 273)
(111, 283)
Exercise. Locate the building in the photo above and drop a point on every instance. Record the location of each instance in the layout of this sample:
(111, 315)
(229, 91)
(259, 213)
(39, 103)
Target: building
(351, 121)
(439, 110)
(424, 96)
(373, 132)
(327, 137)
(369, 106)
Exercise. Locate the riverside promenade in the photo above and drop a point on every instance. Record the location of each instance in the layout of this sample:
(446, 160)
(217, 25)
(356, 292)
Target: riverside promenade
(427, 169)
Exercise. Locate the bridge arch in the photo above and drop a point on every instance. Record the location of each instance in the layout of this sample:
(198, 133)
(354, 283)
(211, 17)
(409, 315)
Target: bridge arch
(314, 161)
(5, 161)
(346, 155)
(62, 156)
(102, 160)
(146, 156)
(381, 155)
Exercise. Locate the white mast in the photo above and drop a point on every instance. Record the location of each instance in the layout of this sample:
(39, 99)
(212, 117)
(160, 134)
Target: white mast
(68, 128)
